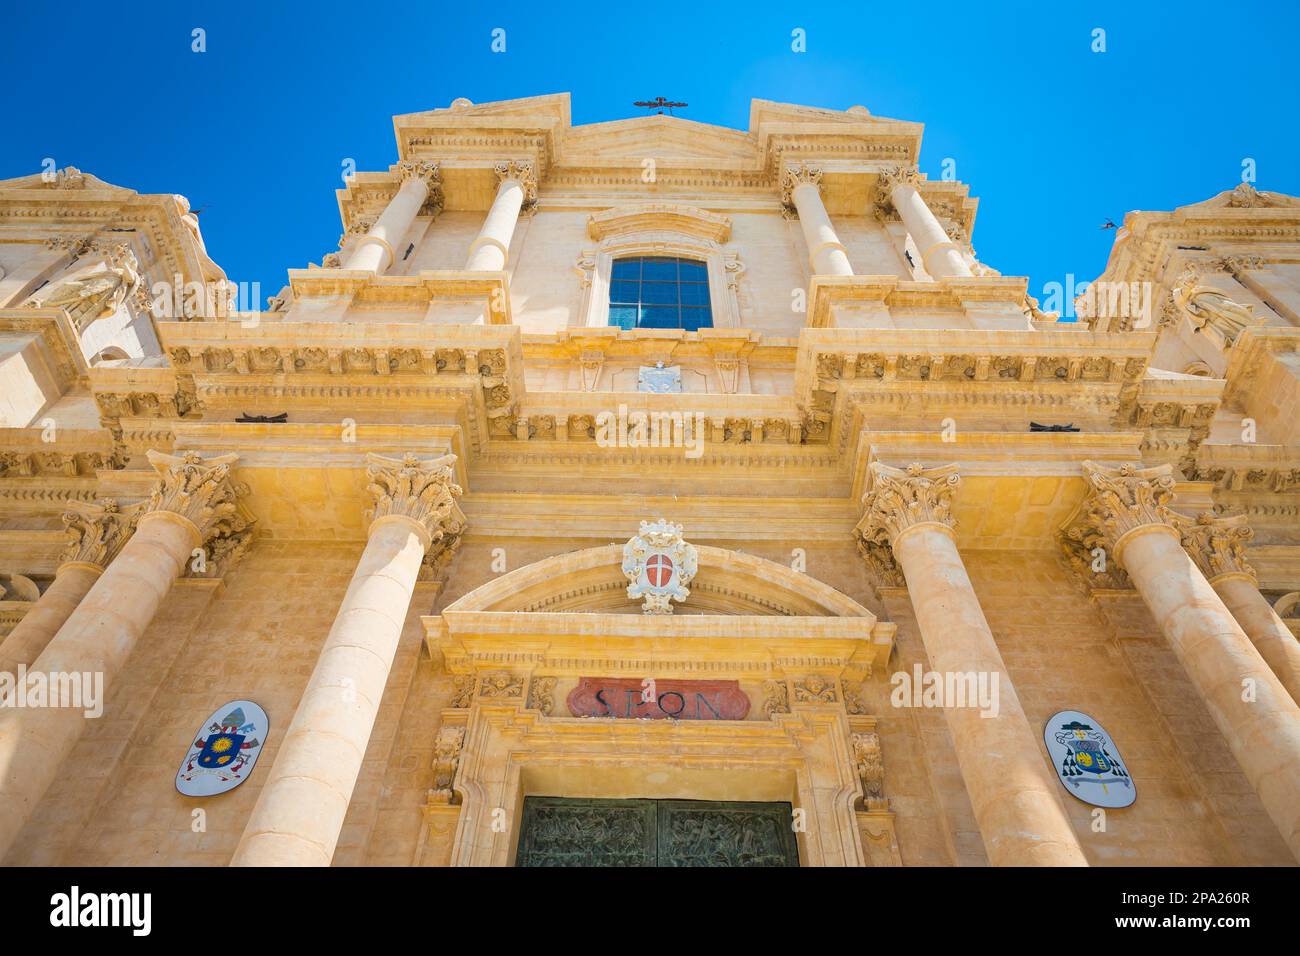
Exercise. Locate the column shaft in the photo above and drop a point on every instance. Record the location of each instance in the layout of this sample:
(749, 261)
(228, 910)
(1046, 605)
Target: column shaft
(39, 625)
(940, 255)
(300, 812)
(96, 638)
(374, 252)
(490, 251)
(1263, 733)
(1268, 632)
(1015, 798)
(826, 254)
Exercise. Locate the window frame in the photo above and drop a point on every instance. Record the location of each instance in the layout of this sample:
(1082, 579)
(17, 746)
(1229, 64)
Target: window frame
(596, 267)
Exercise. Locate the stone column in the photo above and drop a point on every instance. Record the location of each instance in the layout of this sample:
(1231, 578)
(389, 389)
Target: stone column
(1012, 790)
(97, 532)
(194, 501)
(516, 187)
(941, 256)
(1218, 546)
(300, 811)
(1128, 508)
(374, 251)
(801, 188)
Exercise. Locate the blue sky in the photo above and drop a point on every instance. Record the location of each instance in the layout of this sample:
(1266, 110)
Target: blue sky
(1052, 137)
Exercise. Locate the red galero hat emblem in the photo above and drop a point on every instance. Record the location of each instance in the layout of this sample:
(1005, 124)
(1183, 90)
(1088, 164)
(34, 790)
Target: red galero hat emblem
(659, 570)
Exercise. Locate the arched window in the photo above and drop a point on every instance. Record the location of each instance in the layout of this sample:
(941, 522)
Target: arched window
(659, 292)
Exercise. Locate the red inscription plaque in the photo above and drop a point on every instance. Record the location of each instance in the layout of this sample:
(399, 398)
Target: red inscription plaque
(633, 698)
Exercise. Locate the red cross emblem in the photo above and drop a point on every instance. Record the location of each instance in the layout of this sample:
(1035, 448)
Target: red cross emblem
(659, 570)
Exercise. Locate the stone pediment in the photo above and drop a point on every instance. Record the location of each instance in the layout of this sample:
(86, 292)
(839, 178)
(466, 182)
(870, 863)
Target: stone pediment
(523, 111)
(1243, 196)
(666, 139)
(65, 179)
(646, 217)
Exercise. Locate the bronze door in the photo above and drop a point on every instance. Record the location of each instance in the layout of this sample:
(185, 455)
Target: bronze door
(559, 831)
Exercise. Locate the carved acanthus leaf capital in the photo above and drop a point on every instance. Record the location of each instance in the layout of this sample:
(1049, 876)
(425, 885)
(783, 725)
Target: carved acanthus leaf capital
(357, 227)
(900, 498)
(431, 174)
(420, 490)
(895, 176)
(97, 530)
(1124, 498)
(425, 169)
(201, 491)
(1216, 543)
(796, 175)
(522, 172)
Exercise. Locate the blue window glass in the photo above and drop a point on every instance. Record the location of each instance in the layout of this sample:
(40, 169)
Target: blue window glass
(660, 317)
(659, 292)
(695, 293)
(624, 316)
(624, 291)
(659, 267)
(627, 269)
(692, 270)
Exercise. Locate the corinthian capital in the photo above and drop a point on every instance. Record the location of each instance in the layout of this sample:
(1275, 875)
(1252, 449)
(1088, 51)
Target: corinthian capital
(796, 175)
(200, 491)
(427, 170)
(889, 180)
(522, 172)
(420, 490)
(1125, 498)
(97, 530)
(1217, 544)
(895, 176)
(901, 498)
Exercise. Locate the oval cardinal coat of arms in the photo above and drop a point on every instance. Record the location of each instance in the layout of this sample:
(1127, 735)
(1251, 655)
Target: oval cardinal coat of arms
(1087, 760)
(224, 750)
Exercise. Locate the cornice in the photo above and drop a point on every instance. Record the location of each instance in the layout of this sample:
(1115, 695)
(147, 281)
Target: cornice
(59, 338)
(366, 289)
(827, 293)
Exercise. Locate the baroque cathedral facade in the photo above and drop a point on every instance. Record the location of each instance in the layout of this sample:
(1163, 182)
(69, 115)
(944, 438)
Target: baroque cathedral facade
(646, 492)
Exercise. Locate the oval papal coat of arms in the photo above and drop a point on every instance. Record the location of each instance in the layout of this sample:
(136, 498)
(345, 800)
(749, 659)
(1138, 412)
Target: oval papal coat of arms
(222, 754)
(1087, 761)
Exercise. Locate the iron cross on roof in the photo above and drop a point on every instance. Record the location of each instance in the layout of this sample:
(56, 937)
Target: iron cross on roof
(660, 104)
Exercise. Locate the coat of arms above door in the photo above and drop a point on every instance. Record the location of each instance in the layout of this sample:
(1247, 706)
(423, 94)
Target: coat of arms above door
(659, 564)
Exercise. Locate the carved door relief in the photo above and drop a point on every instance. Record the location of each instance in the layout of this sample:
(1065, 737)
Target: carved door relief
(559, 831)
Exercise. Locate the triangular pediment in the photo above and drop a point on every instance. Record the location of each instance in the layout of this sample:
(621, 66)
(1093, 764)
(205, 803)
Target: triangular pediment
(522, 112)
(68, 180)
(1243, 196)
(666, 139)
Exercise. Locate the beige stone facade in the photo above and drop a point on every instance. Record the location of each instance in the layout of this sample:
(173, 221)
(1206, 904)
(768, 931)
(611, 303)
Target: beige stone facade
(415, 570)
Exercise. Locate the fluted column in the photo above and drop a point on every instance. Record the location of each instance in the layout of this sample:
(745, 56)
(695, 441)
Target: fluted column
(374, 251)
(1129, 508)
(1218, 546)
(96, 532)
(516, 186)
(1013, 792)
(941, 256)
(194, 500)
(300, 812)
(801, 188)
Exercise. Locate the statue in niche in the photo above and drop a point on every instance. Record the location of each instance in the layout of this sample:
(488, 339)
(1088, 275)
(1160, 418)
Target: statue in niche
(1207, 306)
(95, 292)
